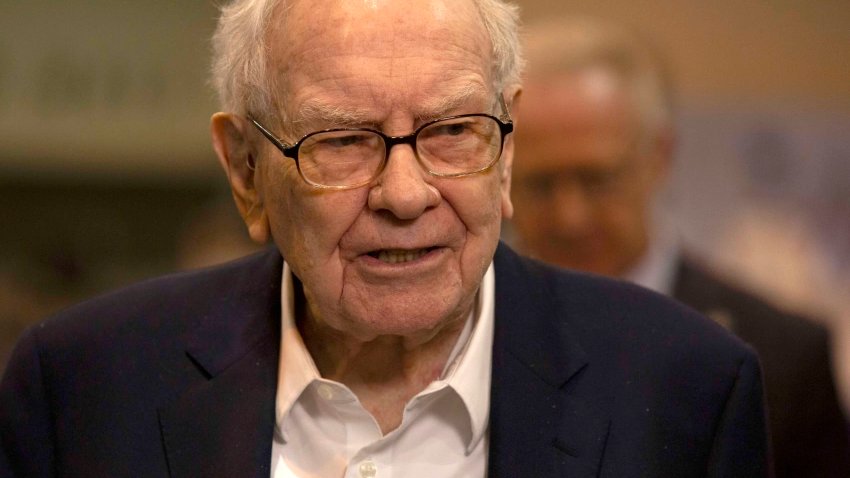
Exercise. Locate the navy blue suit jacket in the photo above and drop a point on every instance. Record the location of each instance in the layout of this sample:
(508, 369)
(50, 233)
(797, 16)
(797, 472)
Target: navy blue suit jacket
(177, 377)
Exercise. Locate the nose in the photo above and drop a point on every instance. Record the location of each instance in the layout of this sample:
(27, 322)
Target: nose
(403, 187)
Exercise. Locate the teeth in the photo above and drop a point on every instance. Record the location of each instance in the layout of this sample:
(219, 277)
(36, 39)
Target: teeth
(395, 256)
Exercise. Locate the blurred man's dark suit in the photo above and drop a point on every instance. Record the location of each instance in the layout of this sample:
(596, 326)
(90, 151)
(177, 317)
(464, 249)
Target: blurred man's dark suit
(177, 377)
(807, 427)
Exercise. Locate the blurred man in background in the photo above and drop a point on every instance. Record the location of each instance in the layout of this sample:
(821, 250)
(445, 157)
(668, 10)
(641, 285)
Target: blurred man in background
(594, 147)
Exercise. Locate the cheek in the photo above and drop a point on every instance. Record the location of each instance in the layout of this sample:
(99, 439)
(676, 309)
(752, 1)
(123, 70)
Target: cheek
(634, 204)
(620, 221)
(534, 217)
(307, 224)
(279, 203)
(478, 204)
(527, 208)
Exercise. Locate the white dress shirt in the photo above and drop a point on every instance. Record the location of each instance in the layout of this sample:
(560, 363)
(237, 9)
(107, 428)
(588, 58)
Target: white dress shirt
(322, 430)
(656, 270)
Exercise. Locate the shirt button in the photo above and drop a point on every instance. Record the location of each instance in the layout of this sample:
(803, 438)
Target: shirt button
(368, 469)
(326, 392)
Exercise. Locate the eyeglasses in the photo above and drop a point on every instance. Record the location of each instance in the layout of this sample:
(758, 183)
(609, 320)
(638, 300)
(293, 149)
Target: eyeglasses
(596, 183)
(450, 147)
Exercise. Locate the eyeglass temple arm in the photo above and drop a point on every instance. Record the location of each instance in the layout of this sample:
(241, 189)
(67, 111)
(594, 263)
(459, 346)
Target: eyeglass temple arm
(283, 147)
(268, 134)
(506, 115)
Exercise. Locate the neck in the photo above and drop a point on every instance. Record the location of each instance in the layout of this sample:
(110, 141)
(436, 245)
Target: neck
(384, 372)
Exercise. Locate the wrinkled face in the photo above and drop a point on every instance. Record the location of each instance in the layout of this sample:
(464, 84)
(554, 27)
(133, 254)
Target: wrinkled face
(584, 175)
(405, 254)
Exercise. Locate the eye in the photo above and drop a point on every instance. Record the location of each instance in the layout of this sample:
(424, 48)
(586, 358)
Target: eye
(457, 128)
(343, 140)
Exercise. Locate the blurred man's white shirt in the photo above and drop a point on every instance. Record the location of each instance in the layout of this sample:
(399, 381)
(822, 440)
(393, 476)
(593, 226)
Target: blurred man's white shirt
(656, 269)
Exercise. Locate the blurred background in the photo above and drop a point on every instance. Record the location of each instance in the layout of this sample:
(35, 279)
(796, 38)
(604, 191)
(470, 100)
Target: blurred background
(107, 175)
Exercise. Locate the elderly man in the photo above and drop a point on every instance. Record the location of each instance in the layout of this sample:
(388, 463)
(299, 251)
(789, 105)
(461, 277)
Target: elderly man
(387, 333)
(593, 149)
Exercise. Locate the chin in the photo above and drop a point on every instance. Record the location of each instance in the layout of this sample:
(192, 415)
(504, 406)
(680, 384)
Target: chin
(411, 319)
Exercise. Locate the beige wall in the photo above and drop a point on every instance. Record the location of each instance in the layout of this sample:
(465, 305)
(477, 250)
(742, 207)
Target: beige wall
(105, 88)
(787, 51)
(112, 89)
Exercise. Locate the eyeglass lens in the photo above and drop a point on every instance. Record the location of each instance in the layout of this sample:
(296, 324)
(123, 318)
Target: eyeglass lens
(448, 147)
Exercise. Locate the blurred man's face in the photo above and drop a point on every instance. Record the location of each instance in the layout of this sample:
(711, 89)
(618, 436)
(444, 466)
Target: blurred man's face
(584, 176)
(405, 254)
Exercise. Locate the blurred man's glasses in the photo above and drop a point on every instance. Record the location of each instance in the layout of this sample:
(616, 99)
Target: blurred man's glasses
(594, 184)
(449, 147)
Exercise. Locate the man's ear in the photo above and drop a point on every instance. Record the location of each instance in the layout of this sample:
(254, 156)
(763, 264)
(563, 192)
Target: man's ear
(237, 157)
(512, 96)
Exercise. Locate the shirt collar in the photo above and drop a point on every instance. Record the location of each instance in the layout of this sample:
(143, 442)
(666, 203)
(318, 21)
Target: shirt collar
(656, 269)
(296, 369)
(467, 371)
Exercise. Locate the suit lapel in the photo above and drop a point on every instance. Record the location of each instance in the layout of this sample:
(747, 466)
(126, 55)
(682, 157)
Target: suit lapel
(541, 423)
(223, 423)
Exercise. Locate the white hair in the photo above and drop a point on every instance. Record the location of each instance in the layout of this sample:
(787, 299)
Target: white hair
(239, 72)
(576, 44)
(501, 20)
(239, 56)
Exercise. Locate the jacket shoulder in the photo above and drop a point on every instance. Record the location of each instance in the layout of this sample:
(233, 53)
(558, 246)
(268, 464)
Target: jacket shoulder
(664, 376)
(170, 295)
(605, 310)
(756, 321)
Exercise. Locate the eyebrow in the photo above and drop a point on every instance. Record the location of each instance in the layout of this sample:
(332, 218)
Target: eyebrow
(316, 111)
(319, 112)
(447, 105)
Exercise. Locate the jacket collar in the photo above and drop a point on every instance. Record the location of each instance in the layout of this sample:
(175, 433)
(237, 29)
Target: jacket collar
(222, 424)
(542, 422)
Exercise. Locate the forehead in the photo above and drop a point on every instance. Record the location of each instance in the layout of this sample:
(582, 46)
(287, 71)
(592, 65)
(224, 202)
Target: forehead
(568, 102)
(380, 52)
(574, 120)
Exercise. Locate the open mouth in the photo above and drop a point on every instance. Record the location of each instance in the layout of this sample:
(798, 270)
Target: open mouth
(397, 256)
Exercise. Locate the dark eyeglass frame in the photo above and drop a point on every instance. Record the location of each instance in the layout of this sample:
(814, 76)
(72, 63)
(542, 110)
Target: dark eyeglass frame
(506, 126)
